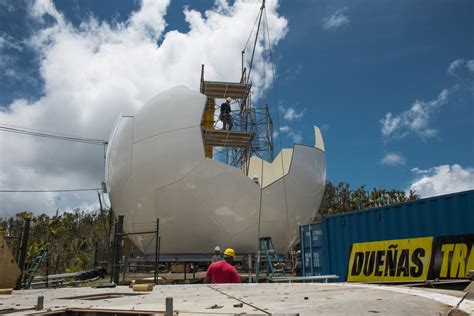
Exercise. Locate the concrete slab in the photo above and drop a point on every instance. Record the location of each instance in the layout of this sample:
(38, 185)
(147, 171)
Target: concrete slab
(255, 299)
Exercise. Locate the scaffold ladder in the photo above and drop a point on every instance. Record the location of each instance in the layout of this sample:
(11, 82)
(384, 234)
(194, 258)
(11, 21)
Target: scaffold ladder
(269, 257)
(34, 267)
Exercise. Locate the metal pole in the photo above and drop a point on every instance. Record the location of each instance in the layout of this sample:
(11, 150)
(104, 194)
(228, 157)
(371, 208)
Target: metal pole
(94, 255)
(310, 227)
(169, 306)
(39, 303)
(124, 267)
(303, 252)
(100, 204)
(256, 37)
(114, 245)
(242, 79)
(157, 243)
(185, 270)
(250, 267)
(47, 269)
(23, 248)
(159, 247)
(118, 248)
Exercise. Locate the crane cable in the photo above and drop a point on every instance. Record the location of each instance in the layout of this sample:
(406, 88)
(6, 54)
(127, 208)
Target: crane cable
(266, 40)
(262, 8)
(49, 191)
(52, 135)
(278, 126)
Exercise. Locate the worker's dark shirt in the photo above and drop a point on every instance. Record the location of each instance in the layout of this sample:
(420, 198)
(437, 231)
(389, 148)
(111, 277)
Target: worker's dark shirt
(216, 257)
(225, 108)
(222, 272)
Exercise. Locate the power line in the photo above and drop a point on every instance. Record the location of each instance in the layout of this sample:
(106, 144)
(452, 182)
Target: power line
(46, 191)
(52, 135)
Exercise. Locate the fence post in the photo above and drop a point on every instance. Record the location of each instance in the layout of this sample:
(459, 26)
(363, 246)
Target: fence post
(22, 251)
(118, 249)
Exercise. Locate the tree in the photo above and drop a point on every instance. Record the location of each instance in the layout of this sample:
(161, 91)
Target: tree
(69, 238)
(342, 199)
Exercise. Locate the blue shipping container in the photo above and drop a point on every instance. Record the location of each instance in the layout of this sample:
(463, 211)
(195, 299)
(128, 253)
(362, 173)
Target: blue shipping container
(326, 247)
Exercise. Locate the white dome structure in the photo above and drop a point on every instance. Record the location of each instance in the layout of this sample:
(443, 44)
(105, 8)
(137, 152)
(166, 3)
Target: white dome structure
(156, 168)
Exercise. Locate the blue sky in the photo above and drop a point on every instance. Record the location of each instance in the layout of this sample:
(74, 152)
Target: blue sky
(341, 65)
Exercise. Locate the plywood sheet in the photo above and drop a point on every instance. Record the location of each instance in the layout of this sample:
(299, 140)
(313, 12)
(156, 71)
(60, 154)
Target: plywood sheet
(9, 270)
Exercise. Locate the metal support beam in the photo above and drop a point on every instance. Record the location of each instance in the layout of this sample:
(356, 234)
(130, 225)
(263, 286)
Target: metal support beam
(22, 251)
(118, 249)
(157, 243)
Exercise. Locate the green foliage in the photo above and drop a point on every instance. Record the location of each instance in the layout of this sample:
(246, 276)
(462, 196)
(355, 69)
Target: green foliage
(341, 198)
(70, 239)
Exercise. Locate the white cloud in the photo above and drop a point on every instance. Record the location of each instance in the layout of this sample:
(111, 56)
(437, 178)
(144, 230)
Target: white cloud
(443, 179)
(459, 65)
(285, 129)
(470, 65)
(392, 159)
(415, 120)
(337, 20)
(294, 136)
(93, 72)
(455, 65)
(290, 114)
(9, 48)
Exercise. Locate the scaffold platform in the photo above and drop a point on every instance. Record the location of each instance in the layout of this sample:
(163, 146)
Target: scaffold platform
(225, 138)
(222, 90)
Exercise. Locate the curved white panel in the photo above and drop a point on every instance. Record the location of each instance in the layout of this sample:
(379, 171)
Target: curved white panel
(160, 160)
(271, 171)
(205, 209)
(318, 139)
(176, 108)
(118, 154)
(306, 169)
(200, 202)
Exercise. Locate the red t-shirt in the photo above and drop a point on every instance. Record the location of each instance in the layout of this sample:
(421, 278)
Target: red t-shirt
(222, 272)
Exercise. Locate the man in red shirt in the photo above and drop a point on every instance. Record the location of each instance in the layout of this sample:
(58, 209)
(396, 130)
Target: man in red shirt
(223, 271)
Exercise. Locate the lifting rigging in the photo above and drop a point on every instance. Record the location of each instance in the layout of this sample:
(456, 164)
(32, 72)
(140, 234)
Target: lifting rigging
(253, 127)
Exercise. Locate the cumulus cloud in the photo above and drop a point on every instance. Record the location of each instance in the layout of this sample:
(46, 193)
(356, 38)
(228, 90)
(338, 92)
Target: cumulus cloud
(290, 133)
(9, 47)
(392, 159)
(414, 120)
(336, 20)
(455, 65)
(290, 113)
(443, 179)
(459, 65)
(470, 65)
(417, 119)
(95, 71)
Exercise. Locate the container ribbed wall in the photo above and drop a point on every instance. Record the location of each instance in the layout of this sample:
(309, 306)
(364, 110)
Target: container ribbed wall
(445, 215)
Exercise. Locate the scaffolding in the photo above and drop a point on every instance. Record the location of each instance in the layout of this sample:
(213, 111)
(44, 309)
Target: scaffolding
(252, 132)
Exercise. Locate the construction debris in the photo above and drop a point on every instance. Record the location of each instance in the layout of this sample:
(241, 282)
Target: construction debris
(142, 287)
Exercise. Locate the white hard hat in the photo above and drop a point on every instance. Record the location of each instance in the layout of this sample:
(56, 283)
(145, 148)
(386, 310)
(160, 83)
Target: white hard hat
(217, 248)
(229, 99)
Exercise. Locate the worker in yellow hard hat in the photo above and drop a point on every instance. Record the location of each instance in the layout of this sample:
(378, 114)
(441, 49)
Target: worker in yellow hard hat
(223, 271)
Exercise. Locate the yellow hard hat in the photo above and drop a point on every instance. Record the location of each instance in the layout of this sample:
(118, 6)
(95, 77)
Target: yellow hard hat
(229, 252)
